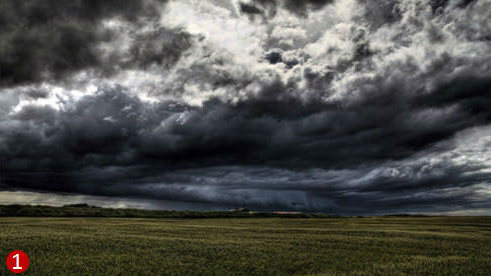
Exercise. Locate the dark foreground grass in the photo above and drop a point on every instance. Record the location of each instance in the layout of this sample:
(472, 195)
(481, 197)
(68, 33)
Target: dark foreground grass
(391, 246)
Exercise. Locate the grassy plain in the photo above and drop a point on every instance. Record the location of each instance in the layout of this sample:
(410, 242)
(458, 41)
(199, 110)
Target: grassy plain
(392, 246)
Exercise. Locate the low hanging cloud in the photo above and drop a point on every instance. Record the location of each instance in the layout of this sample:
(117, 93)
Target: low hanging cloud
(337, 106)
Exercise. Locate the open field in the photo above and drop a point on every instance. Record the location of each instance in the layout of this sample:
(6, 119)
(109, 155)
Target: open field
(251, 246)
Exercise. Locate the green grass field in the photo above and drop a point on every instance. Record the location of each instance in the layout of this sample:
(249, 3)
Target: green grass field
(391, 246)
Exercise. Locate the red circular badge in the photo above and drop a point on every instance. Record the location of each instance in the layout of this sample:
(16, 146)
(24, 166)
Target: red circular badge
(17, 261)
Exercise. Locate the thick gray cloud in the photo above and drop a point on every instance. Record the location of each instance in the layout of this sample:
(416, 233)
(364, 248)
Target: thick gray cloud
(299, 7)
(44, 40)
(339, 106)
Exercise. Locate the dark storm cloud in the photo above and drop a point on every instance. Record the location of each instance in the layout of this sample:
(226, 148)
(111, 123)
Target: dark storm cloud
(44, 40)
(387, 9)
(439, 5)
(299, 7)
(160, 47)
(341, 125)
(250, 9)
(113, 144)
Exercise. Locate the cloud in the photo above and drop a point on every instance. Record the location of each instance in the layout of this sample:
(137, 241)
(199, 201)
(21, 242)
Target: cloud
(299, 7)
(45, 40)
(53, 199)
(340, 106)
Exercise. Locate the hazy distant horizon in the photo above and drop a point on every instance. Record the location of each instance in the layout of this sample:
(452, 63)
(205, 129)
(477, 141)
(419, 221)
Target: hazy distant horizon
(62, 199)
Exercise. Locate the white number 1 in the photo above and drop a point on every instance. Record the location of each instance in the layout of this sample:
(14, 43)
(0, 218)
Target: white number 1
(16, 256)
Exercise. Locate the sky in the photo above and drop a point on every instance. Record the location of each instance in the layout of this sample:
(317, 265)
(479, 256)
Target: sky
(336, 106)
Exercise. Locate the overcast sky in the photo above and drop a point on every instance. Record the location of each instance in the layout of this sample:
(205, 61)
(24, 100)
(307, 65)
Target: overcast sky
(338, 106)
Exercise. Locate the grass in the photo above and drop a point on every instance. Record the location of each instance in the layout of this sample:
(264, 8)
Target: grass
(379, 246)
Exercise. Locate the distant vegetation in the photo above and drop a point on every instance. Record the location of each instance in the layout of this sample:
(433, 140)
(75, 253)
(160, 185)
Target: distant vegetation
(84, 210)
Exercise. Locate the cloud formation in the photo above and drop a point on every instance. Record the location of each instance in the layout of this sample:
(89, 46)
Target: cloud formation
(339, 106)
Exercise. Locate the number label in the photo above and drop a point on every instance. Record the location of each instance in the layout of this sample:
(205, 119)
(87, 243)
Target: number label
(17, 261)
(16, 257)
